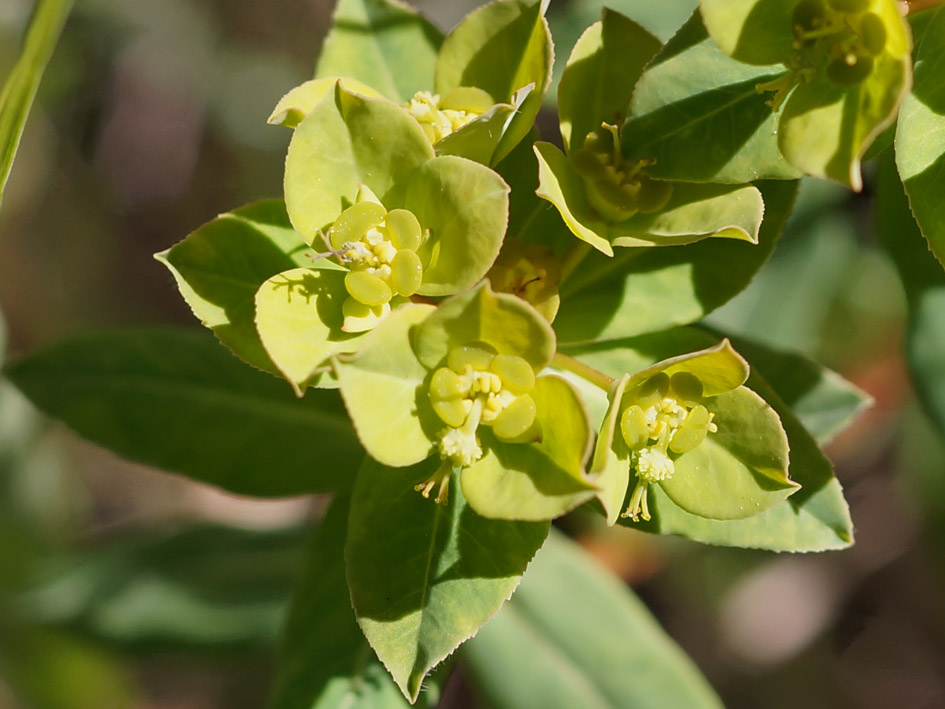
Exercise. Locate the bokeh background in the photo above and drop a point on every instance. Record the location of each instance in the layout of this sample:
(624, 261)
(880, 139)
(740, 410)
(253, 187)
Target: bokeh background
(123, 586)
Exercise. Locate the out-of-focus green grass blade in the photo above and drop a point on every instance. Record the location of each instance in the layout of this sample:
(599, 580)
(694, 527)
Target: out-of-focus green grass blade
(21, 85)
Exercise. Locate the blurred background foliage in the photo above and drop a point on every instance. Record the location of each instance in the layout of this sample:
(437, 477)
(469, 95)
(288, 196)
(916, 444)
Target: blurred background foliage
(121, 586)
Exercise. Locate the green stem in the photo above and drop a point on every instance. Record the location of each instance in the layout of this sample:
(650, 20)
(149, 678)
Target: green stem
(585, 371)
(573, 258)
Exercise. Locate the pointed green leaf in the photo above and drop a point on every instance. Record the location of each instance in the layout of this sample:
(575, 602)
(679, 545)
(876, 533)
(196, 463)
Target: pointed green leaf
(644, 290)
(535, 481)
(920, 137)
(602, 70)
(696, 112)
(506, 322)
(179, 401)
(478, 139)
(815, 518)
(425, 577)
(22, 83)
(382, 387)
(220, 266)
(500, 48)
(465, 206)
(298, 316)
(342, 144)
(694, 211)
(606, 649)
(383, 43)
(326, 661)
(825, 130)
(300, 101)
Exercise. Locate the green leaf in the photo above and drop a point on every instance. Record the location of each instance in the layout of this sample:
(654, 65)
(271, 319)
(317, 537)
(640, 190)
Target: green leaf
(535, 481)
(300, 101)
(478, 139)
(465, 206)
(696, 112)
(610, 467)
(342, 144)
(500, 48)
(924, 284)
(694, 211)
(719, 367)
(739, 471)
(177, 400)
(383, 390)
(506, 322)
(606, 650)
(602, 70)
(299, 319)
(326, 661)
(220, 266)
(824, 401)
(644, 290)
(22, 83)
(920, 137)
(425, 577)
(751, 31)
(815, 518)
(383, 43)
(825, 130)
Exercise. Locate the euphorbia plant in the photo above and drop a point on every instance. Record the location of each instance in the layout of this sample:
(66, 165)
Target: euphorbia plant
(511, 324)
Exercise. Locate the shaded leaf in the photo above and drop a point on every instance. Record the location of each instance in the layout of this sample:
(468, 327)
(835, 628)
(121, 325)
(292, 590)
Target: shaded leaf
(604, 648)
(920, 137)
(425, 577)
(696, 112)
(300, 101)
(177, 400)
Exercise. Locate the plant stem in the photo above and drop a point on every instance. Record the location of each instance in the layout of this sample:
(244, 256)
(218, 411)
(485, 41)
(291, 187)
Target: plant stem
(585, 371)
(918, 5)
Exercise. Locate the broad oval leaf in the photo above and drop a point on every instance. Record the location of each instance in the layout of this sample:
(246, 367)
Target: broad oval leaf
(693, 212)
(345, 143)
(501, 48)
(599, 79)
(383, 390)
(384, 43)
(220, 267)
(425, 577)
(696, 112)
(920, 137)
(299, 319)
(606, 649)
(179, 401)
(535, 481)
(505, 322)
(751, 31)
(465, 206)
(643, 290)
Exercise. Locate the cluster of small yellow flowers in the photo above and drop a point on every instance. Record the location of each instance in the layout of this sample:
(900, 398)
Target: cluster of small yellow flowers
(439, 118)
(666, 417)
(616, 188)
(380, 250)
(478, 387)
